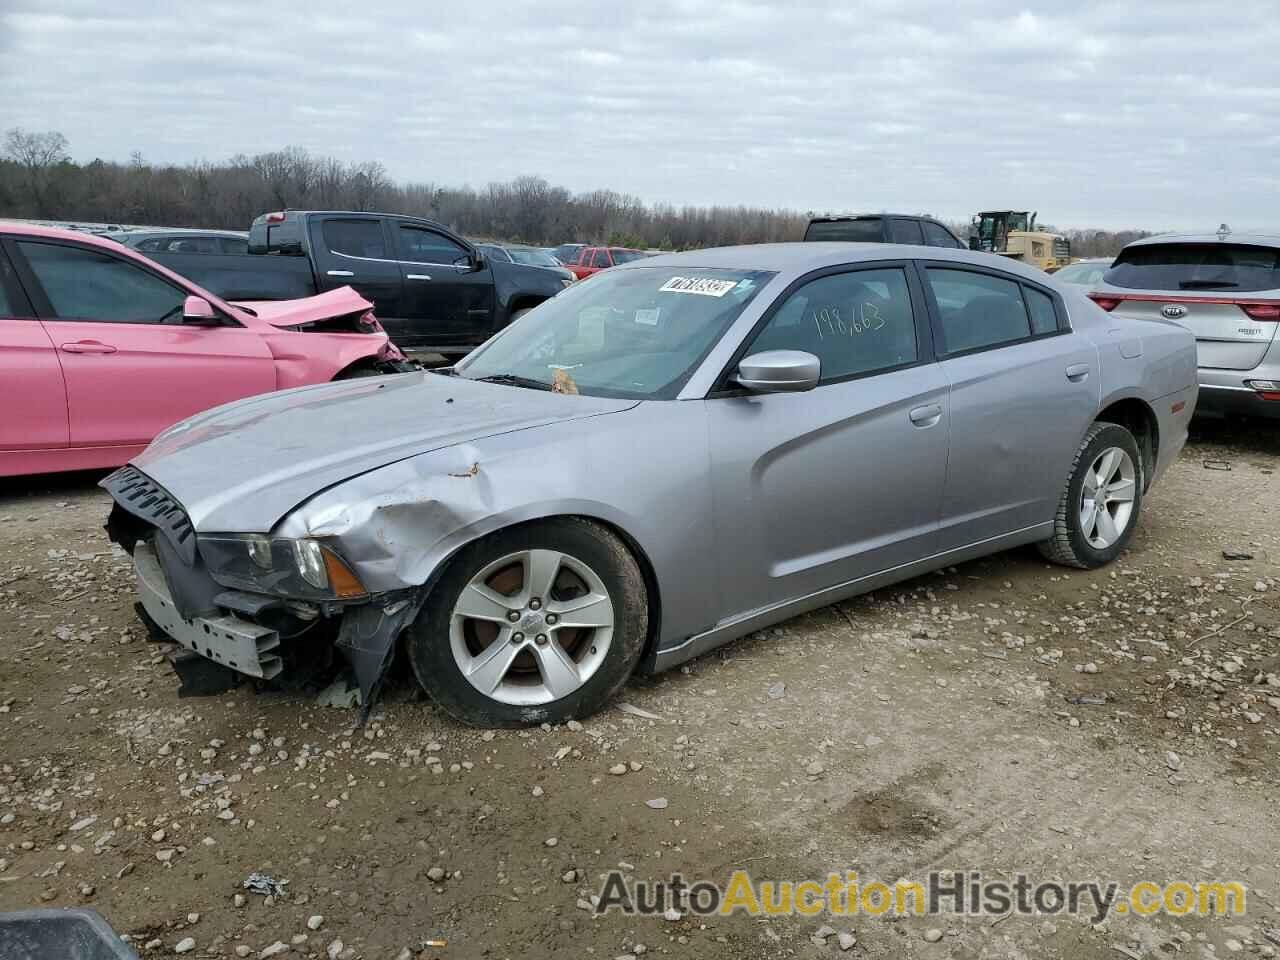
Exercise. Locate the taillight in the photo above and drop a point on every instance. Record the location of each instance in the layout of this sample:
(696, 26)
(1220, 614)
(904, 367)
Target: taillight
(1106, 303)
(277, 217)
(1262, 311)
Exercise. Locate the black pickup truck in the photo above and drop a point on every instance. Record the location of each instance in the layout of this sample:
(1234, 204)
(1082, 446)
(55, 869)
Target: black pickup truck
(431, 289)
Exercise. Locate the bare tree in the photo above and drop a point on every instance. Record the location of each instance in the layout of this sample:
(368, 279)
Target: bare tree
(37, 154)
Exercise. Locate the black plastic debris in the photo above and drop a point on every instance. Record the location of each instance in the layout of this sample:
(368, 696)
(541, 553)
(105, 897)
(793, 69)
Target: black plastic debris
(61, 934)
(1236, 555)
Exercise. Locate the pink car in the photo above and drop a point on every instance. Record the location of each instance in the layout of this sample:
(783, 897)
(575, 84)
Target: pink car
(101, 349)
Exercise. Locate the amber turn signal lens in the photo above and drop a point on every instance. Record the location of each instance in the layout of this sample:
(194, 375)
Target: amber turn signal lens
(342, 582)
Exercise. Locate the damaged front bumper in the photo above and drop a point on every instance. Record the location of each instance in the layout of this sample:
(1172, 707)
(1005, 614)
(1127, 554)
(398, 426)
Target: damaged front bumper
(257, 635)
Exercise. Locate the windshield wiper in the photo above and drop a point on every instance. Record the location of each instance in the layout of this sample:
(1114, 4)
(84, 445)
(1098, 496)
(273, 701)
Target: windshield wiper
(1206, 284)
(515, 380)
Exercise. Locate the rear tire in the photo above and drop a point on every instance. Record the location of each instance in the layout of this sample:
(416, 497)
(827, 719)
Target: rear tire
(539, 623)
(1100, 506)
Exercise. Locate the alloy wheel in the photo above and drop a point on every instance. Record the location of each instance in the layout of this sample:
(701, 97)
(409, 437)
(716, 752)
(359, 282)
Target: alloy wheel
(1106, 497)
(531, 627)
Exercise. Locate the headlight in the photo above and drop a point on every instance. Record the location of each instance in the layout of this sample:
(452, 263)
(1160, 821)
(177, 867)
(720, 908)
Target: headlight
(302, 569)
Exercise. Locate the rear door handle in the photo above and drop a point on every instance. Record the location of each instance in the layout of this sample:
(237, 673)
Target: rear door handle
(1078, 372)
(87, 346)
(339, 273)
(927, 415)
(416, 276)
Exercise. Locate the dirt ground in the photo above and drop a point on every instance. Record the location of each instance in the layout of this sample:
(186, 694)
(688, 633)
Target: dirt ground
(928, 726)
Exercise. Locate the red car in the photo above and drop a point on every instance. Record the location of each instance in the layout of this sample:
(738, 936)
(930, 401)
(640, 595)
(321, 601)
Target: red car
(101, 349)
(594, 259)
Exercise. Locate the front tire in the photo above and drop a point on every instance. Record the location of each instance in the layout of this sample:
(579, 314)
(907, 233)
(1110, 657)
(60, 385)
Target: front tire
(538, 623)
(1101, 503)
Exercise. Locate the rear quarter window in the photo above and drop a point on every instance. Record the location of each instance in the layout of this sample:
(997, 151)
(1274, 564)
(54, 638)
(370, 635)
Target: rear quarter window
(1197, 266)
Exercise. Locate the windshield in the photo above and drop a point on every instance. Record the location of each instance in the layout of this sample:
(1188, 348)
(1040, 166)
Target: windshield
(534, 258)
(625, 256)
(1197, 266)
(637, 333)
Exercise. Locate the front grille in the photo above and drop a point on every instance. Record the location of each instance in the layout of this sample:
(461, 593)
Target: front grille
(141, 496)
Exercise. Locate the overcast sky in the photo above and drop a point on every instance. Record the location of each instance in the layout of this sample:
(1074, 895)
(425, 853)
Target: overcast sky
(1092, 114)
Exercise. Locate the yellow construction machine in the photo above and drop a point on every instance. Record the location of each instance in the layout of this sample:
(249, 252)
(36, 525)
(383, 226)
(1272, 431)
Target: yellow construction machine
(1013, 234)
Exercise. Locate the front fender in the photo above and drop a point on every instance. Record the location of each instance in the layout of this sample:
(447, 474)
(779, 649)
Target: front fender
(306, 358)
(644, 472)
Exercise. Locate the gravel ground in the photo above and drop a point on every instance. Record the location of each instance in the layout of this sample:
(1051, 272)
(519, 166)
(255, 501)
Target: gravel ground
(928, 726)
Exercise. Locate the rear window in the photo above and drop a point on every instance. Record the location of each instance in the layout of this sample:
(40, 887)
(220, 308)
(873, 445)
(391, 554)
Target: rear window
(1196, 266)
(863, 230)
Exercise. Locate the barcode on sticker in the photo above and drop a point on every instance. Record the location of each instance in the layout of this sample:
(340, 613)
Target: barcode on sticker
(706, 286)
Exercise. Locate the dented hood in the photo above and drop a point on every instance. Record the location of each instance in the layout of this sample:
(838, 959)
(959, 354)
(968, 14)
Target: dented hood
(242, 467)
(292, 313)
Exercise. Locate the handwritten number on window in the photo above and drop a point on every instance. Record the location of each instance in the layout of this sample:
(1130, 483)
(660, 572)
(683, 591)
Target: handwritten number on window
(830, 322)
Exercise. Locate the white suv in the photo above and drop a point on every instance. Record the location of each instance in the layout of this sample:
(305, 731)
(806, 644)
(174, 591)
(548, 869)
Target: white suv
(1224, 288)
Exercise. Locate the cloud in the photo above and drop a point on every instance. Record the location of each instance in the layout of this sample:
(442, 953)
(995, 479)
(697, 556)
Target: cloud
(1087, 113)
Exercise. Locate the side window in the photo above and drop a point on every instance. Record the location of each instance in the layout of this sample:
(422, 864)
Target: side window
(935, 235)
(83, 284)
(977, 309)
(355, 238)
(195, 245)
(154, 245)
(905, 231)
(1044, 319)
(855, 323)
(7, 281)
(418, 245)
(234, 245)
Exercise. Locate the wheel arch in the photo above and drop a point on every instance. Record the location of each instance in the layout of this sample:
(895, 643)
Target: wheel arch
(1136, 416)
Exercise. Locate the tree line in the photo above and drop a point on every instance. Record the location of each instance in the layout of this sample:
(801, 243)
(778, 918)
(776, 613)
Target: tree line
(39, 180)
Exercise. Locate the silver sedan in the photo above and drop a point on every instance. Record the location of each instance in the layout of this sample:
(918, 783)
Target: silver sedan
(671, 455)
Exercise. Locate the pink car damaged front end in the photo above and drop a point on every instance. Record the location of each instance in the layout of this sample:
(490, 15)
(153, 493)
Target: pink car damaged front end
(345, 319)
(101, 349)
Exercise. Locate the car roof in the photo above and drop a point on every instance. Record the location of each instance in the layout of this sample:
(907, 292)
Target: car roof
(801, 257)
(55, 233)
(181, 232)
(1252, 239)
(834, 217)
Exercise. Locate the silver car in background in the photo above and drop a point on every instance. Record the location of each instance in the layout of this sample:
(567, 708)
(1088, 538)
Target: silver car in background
(679, 452)
(1224, 288)
(1085, 272)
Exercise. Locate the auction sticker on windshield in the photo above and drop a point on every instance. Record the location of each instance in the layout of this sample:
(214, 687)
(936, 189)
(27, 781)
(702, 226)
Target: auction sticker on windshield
(705, 286)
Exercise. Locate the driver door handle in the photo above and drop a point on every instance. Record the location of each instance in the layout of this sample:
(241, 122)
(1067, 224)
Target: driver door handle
(416, 276)
(339, 273)
(87, 346)
(1078, 372)
(927, 415)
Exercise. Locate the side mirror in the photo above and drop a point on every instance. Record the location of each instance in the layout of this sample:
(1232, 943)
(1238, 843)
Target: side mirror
(198, 312)
(974, 243)
(478, 261)
(779, 371)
